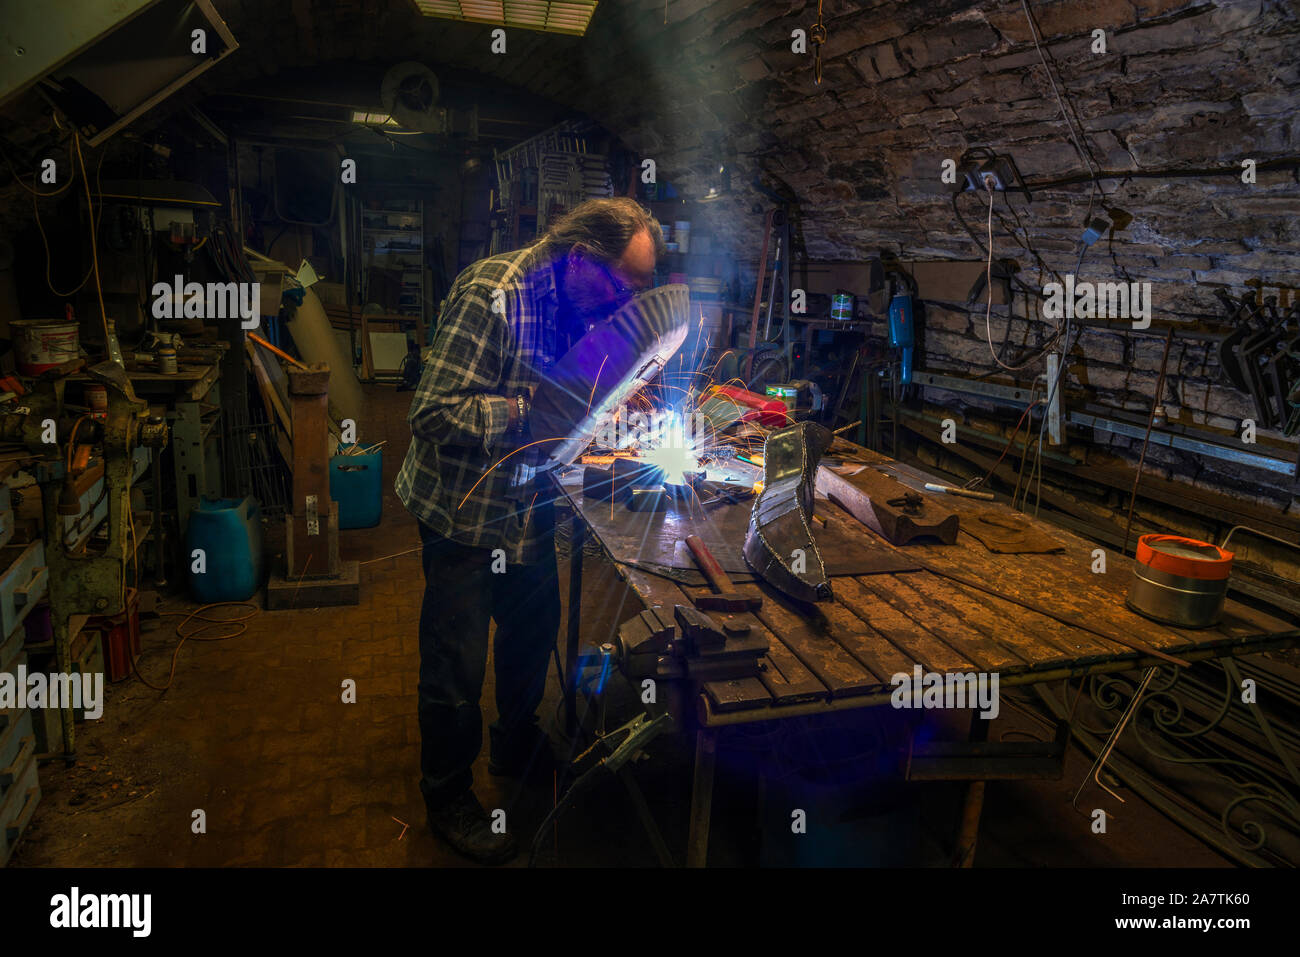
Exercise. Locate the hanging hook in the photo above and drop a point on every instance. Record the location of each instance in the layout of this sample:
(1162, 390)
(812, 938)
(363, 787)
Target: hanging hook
(818, 36)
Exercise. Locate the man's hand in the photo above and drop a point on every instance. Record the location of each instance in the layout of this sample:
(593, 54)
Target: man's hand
(517, 419)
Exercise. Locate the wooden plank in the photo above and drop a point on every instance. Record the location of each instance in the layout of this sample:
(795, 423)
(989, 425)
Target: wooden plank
(1042, 641)
(937, 619)
(1056, 583)
(283, 441)
(367, 360)
(1205, 504)
(1062, 582)
(871, 649)
(916, 644)
(784, 675)
(813, 643)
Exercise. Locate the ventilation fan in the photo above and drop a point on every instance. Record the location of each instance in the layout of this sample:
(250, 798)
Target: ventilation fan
(410, 95)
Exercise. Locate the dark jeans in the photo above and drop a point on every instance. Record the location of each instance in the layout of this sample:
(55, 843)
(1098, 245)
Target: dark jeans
(461, 594)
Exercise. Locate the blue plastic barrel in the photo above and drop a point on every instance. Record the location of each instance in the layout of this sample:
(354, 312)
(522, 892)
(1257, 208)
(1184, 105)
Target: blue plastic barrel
(357, 484)
(229, 532)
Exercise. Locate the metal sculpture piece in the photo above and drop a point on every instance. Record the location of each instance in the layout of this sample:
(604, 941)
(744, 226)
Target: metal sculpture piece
(583, 391)
(779, 545)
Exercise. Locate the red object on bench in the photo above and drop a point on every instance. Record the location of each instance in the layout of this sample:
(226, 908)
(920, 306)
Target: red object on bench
(771, 413)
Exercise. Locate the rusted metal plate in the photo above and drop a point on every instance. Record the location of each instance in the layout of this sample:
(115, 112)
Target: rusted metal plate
(737, 694)
(888, 507)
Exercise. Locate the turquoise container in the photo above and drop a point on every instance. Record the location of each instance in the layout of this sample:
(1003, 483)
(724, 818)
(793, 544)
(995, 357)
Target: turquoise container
(357, 484)
(229, 530)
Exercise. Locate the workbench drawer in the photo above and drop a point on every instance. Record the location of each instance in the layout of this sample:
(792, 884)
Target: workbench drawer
(17, 807)
(22, 584)
(6, 516)
(11, 648)
(17, 747)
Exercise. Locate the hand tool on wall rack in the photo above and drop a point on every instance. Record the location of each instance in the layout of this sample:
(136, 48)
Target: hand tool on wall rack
(771, 291)
(1261, 357)
(776, 218)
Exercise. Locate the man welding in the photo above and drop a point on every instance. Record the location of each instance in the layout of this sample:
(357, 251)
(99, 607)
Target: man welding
(488, 550)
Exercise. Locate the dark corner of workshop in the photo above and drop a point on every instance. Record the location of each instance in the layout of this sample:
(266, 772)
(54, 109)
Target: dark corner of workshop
(656, 434)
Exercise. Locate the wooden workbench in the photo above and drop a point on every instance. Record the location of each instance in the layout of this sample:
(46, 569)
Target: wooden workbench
(842, 654)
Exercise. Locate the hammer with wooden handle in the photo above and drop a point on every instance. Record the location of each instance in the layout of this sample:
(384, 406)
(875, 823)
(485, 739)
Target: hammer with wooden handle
(727, 597)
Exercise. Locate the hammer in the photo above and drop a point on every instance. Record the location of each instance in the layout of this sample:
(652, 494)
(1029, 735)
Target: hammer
(727, 598)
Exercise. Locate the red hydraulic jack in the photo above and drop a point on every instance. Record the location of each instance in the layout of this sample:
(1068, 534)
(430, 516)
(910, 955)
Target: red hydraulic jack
(314, 575)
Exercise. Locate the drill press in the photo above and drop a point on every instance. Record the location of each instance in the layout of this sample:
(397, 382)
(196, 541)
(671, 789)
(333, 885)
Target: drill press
(82, 581)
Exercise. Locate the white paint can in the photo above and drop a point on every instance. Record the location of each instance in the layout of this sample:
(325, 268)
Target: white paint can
(41, 344)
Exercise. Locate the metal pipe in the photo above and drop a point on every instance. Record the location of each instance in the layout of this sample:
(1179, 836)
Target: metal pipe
(160, 566)
(1255, 531)
(771, 292)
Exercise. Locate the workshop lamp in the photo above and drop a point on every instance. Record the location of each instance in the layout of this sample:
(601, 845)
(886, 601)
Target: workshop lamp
(569, 16)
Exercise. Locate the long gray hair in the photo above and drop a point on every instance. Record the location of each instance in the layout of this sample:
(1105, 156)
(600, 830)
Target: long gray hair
(605, 227)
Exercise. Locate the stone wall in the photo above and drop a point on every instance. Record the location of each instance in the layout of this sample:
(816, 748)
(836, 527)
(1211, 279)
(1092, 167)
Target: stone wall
(1184, 92)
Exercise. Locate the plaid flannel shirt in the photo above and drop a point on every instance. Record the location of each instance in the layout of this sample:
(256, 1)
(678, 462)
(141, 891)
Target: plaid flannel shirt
(481, 360)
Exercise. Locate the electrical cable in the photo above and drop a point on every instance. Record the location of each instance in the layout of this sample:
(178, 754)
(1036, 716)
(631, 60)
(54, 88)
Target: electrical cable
(37, 192)
(94, 245)
(988, 312)
(976, 483)
(197, 634)
(45, 243)
(1083, 154)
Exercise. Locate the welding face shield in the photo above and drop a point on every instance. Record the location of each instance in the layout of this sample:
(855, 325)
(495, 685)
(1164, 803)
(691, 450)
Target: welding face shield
(583, 391)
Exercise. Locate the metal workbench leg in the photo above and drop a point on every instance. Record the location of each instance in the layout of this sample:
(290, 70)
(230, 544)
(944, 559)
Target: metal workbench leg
(647, 819)
(973, 806)
(63, 654)
(706, 759)
(577, 538)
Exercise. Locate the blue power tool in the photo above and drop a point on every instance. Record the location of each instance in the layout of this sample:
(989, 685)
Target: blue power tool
(901, 330)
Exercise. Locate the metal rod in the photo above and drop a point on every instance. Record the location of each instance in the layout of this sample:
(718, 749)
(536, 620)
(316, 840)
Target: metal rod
(160, 570)
(1255, 531)
(771, 292)
(576, 539)
(1100, 763)
(1155, 403)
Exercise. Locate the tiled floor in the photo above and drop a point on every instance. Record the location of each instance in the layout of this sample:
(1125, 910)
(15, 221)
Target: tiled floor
(254, 733)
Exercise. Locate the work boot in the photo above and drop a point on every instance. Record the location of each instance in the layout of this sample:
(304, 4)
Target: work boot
(528, 755)
(466, 827)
